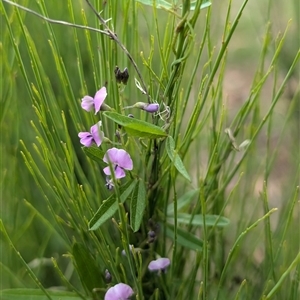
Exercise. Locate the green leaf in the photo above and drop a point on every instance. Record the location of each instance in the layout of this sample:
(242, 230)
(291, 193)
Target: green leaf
(204, 4)
(161, 4)
(87, 268)
(197, 220)
(94, 153)
(135, 127)
(173, 155)
(110, 206)
(34, 294)
(182, 201)
(184, 238)
(137, 207)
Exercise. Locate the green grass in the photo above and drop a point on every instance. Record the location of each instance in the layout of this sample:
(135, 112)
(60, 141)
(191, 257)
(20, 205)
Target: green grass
(231, 231)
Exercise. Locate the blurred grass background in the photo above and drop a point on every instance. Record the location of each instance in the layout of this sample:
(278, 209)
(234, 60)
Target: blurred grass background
(33, 239)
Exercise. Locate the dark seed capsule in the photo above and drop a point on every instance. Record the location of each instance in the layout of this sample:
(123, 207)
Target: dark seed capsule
(121, 76)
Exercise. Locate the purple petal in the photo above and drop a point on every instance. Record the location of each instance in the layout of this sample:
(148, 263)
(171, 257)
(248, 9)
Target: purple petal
(123, 159)
(151, 108)
(87, 103)
(111, 155)
(97, 134)
(106, 171)
(120, 291)
(119, 172)
(99, 98)
(159, 264)
(119, 158)
(86, 139)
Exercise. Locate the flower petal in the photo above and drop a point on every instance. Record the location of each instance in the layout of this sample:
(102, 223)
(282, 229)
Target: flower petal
(119, 291)
(97, 134)
(159, 264)
(111, 156)
(106, 171)
(99, 98)
(87, 103)
(119, 172)
(151, 108)
(86, 139)
(123, 159)
(119, 158)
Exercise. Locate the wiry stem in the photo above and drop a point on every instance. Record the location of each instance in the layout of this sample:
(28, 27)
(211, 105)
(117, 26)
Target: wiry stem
(56, 21)
(114, 37)
(107, 32)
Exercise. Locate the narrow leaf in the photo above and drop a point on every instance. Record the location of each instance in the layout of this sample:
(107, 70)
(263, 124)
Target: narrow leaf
(162, 4)
(197, 220)
(34, 294)
(137, 207)
(110, 206)
(94, 153)
(87, 269)
(173, 155)
(204, 4)
(135, 127)
(184, 238)
(182, 201)
(158, 3)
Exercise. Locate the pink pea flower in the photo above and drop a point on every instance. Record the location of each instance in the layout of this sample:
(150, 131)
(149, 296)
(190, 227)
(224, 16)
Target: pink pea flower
(94, 136)
(88, 103)
(159, 264)
(148, 107)
(120, 291)
(120, 161)
(151, 108)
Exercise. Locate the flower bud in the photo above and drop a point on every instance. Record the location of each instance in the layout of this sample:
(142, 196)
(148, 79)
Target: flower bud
(151, 236)
(107, 276)
(148, 107)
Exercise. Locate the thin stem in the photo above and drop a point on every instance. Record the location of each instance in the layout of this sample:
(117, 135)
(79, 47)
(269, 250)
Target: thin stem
(107, 32)
(56, 21)
(114, 37)
(275, 289)
(235, 246)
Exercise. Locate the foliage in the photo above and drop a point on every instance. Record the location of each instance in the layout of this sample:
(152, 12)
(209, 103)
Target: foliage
(214, 183)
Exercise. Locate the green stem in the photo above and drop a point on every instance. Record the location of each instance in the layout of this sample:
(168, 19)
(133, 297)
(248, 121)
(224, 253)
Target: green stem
(235, 246)
(293, 265)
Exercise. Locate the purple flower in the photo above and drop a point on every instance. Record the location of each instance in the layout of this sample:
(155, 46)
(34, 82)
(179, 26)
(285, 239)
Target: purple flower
(151, 108)
(120, 291)
(94, 136)
(120, 161)
(148, 107)
(88, 103)
(159, 264)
